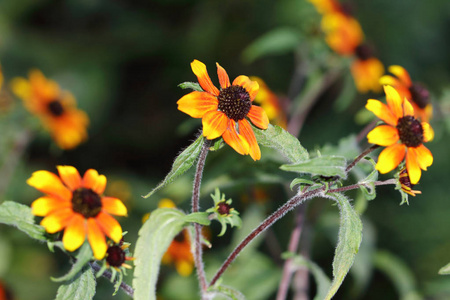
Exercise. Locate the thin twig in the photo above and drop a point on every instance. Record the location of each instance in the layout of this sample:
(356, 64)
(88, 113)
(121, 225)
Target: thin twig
(198, 251)
(108, 275)
(278, 214)
(361, 156)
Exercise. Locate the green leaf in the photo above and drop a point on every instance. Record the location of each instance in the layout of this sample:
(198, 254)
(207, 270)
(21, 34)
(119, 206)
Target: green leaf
(155, 237)
(83, 257)
(281, 140)
(322, 165)
(367, 185)
(445, 270)
(398, 272)
(182, 163)
(20, 216)
(228, 292)
(198, 217)
(301, 181)
(278, 41)
(191, 85)
(81, 287)
(349, 240)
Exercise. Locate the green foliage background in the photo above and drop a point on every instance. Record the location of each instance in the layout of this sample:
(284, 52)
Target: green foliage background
(123, 61)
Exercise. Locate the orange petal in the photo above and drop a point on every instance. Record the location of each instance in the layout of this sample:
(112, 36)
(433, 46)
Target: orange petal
(96, 239)
(92, 180)
(196, 104)
(389, 80)
(70, 176)
(424, 157)
(200, 71)
(109, 226)
(214, 124)
(235, 140)
(75, 233)
(57, 220)
(223, 77)
(50, 184)
(114, 206)
(382, 111)
(390, 158)
(46, 205)
(408, 109)
(258, 117)
(394, 101)
(401, 74)
(247, 132)
(428, 132)
(412, 165)
(250, 86)
(383, 135)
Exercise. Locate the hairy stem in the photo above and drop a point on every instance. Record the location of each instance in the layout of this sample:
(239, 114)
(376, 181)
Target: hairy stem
(198, 251)
(108, 275)
(361, 156)
(293, 246)
(278, 214)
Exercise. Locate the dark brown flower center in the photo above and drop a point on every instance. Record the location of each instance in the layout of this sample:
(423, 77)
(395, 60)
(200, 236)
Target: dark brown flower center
(86, 202)
(363, 52)
(55, 107)
(420, 95)
(115, 256)
(404, 179)
(410, 131)
(223, 208)
(180, 238)
(235, 102)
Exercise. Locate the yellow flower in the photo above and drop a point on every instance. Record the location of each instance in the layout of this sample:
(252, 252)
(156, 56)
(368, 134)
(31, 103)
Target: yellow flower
(343, 33)
(270, 103)
(179, 253)
(403, 135)
(366, 70)
(55, 108)
(418, 95)
(406, 185)
(223, 112)
(76, 205)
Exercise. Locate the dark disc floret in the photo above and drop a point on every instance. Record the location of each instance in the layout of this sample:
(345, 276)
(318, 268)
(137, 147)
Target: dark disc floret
(420, 95)
(235, 102)
(115, 256)
(55, 107)
(404, 179)
(364, 52)
(86, 202)
(410, 131)
(223, 208)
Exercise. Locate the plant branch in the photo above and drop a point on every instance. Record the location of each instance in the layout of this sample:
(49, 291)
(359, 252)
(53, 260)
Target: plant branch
(279, 213)
(198, 251)
(108, 275)
(361, 156)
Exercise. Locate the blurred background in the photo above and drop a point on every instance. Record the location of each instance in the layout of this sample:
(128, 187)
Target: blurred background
(123, 60)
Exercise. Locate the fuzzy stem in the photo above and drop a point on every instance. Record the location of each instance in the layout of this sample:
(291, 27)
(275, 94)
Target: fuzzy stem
(278, 214)
(292, 248)
(198, 251)
(361, 156)
(108, 275)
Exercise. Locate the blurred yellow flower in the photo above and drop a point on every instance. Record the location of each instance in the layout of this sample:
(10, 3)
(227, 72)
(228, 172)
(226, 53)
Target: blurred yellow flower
(366, 70)
(55, 108)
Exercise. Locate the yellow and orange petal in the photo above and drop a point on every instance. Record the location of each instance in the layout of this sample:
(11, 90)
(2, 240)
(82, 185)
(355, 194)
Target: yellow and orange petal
(54, 107)
(60, 210)
(179, 253)
(367, 73)
(343, 33)
(270, 103)
(326, 6)
(222, 122)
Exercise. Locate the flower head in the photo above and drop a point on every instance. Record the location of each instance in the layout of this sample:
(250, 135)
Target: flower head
(403, 135)
(405, 184)
(224, 112)
(179, 253)
(55, 108)
(76, 205)
(416, 93)
(366, 70)
(117, 255)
